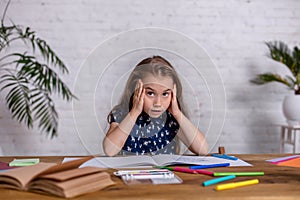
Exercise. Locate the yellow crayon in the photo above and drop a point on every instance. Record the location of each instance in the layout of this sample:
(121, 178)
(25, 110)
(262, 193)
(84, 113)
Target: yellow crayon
(236, 184)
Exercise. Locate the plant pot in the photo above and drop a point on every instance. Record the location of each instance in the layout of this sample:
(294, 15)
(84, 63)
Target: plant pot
(291, 109)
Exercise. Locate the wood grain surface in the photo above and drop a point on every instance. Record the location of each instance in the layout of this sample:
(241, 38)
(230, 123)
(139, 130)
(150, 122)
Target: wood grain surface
(278, 183)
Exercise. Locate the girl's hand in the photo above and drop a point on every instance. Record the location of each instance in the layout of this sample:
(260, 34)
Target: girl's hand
(138, 99)
(174, 108)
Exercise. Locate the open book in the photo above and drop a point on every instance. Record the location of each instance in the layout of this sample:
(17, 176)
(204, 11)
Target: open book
(143, 161)
(64, 180)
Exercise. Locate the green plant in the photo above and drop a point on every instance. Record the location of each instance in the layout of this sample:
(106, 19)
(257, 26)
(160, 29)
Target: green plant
(29, 77)
(280, 52)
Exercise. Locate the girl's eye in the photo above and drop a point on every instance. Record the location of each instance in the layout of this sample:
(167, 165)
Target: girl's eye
(150, 93)
(166, 94)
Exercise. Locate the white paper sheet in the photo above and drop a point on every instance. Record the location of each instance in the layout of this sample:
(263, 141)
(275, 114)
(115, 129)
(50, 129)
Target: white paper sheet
(157, 160)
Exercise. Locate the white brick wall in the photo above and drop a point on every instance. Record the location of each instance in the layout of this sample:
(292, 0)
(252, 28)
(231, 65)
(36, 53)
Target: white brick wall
(232, 32)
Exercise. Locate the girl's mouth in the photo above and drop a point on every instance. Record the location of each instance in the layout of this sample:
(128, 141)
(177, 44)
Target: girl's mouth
(156, 111)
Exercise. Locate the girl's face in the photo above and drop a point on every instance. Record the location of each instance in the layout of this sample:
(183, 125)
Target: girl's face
(158, 94)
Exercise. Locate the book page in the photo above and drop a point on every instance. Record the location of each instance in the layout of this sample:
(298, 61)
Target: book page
(89, 184)
(20, 177)
(72, 187)
(24, 175)
(145, 161)
(164, 159)
(120, 162)
(72, 173)
(71, 164)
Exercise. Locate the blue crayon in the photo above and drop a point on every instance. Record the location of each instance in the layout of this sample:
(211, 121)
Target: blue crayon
(210, 166)
(225, 156)
(218, 180)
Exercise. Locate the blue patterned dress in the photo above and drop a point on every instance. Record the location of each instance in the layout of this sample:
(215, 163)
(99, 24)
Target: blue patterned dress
(149, 135)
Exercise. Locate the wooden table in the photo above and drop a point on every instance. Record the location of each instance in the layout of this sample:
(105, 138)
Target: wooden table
(278, 183)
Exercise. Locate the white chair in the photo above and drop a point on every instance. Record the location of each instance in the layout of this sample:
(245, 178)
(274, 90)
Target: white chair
(289, 135)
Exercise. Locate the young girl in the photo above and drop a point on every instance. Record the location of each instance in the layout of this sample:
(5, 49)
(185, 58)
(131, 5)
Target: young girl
(150, 114)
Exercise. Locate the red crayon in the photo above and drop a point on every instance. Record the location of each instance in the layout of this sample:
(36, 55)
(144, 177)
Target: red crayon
(187, 170)
(200, 171)
(192, 171)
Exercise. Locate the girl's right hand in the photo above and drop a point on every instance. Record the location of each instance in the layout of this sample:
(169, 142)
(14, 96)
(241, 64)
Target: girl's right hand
(138, 99)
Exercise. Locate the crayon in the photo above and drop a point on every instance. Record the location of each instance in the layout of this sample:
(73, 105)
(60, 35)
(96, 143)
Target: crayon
(218, 180)
(210, 166)
(236, 184)
(239, 173)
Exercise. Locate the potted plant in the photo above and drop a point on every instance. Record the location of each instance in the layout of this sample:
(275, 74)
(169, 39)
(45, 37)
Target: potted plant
(29, 77)
(280, 52)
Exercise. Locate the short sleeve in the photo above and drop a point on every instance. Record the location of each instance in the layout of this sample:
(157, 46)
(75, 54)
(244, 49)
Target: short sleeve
(116, 116)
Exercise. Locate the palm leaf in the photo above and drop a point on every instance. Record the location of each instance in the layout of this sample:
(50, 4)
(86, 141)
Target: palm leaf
(41, 75)
(18, 98)
(44, 111)
(269, 77)
(28, 105)
(5, 33)
(280, 52)
(30, 83)
(296, 56)
(43, 47)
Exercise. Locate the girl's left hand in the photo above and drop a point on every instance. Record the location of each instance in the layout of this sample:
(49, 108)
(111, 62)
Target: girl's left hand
(174, 108)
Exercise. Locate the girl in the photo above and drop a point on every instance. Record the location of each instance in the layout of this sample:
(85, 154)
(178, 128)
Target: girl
(150, 114)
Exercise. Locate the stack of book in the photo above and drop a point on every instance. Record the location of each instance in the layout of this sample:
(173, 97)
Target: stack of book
(64, 180)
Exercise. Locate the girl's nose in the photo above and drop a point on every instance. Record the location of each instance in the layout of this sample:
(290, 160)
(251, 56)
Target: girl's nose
(157, 101)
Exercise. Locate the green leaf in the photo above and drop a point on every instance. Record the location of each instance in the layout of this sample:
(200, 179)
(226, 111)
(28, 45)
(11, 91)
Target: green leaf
(31, 82)
(42, 76)
(269, 77)
(44, 112)
(280, 52)
(296, 56)
(18, 99)
(43, 47)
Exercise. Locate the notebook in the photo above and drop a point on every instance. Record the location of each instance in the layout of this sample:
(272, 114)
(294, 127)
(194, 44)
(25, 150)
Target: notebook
(142, 161)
